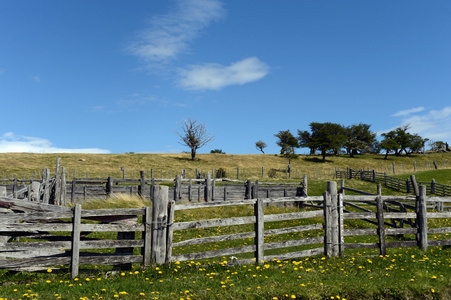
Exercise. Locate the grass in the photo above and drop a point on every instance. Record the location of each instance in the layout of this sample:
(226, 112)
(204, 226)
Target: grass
(405, 273)
(402, 274)
(24, 165)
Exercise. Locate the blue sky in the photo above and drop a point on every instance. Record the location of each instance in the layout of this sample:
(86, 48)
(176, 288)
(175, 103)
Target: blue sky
(116, 76)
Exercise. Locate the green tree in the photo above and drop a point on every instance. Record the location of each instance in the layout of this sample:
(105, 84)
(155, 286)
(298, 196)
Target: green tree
(359, 138)
(438, 146)
(193, 135)
(306, 141)
(389, 143)
(324, 137)
(286, 141)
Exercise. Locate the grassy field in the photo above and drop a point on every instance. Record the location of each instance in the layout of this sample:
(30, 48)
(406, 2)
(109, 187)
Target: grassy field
(405, 273)
(23, 165)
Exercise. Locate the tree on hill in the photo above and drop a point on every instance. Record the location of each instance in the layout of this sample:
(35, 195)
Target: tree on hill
(389, 143)
(306, 141)
(260, 145)
(194, 135)
(324, 137)
(359, 138)
(287, 142)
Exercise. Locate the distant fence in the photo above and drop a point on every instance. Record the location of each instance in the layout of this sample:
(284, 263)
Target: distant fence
(402, 185)
(192, 190)
(151, 241)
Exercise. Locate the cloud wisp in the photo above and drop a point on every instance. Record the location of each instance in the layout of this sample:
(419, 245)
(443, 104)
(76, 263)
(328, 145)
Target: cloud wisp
(433, 124)
(407, 112)
(10, 142)
(215, 76)
(170, 34)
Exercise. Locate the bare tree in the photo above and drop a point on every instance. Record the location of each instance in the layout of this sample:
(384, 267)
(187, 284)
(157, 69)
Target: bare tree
(194, 135)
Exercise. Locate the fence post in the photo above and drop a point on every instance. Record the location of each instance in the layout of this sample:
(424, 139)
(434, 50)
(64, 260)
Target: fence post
(394, 167)
(207, 193)
(247, 193)
(374, 176)
(259, 231)
(46, 184)
(381, 225)
(177, 187)
(170, 231)
(331, 245)
(433, 186)
(159, 223)
(109, 187)
(305, 189)
(341, 242)
(255, 190)
(57, 193)
(422, 221)
(142, 184)
(75, 247)
(147, 221)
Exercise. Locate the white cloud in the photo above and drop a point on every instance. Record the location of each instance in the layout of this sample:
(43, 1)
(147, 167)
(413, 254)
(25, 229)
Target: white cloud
(434, 124)
(10, 142)
(215, 76)
(171, 33)
(408, 111)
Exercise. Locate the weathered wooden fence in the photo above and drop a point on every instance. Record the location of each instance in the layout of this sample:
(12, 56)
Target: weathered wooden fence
(146, 235)
(403, 185)
(59, 191)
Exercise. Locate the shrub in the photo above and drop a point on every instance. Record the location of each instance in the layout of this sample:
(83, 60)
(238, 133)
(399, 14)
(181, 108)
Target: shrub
(217, 151)
(221, 173)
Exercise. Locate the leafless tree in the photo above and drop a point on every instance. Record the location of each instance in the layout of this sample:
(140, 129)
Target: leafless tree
(194, 135)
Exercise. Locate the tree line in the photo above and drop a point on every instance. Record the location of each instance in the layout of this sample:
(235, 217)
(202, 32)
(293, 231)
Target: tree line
(324, 138)
(332, 138)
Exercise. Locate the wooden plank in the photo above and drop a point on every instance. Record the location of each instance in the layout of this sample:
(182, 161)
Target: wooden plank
(214, 223)
(23, 205)
(34, 262)
(213, 253)
(297, 254)
(293, 243)
(294, 216)
(75, 248)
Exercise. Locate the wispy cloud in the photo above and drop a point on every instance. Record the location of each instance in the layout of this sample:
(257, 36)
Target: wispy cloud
(10, 142)
(36, 79)
(408, 111)
(433, 124)
(171, 33)
(215, 76)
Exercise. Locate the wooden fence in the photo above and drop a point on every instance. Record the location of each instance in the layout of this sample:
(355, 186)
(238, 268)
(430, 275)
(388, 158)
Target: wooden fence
(402, 185)
(59, 191)
(56, 236)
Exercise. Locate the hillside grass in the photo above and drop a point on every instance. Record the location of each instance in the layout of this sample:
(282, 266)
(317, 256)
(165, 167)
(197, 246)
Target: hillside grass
(24, 165)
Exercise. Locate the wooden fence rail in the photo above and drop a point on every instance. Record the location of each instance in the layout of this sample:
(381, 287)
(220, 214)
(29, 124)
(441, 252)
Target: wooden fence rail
(193, 190)
(402, 185)
(53, 235)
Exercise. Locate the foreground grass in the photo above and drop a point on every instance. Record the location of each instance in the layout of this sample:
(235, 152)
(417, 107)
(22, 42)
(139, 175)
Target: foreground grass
(402, 274)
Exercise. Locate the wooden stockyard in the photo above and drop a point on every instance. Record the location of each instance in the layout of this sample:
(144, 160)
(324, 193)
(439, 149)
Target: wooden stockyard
(51, 236)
